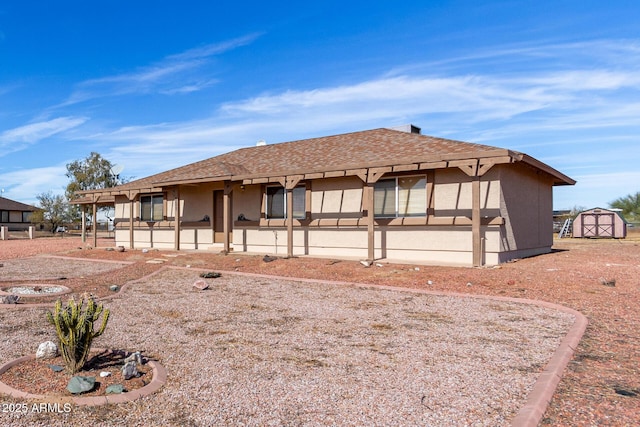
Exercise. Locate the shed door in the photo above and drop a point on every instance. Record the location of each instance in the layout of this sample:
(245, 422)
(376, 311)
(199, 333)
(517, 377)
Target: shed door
(597, 224)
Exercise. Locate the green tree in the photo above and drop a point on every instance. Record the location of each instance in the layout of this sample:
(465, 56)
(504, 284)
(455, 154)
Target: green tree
(630, 206)
(91, 173)
(55, 210)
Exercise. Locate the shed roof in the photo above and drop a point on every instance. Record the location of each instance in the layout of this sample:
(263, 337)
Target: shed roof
(350, 151)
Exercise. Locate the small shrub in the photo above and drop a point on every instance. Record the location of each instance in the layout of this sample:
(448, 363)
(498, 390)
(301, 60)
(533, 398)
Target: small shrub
(74, 327)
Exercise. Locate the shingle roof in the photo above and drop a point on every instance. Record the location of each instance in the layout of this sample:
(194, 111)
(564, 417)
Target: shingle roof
(12, 205)
(372, 148)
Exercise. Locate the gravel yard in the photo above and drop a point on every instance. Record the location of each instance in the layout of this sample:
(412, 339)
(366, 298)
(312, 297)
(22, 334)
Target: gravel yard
(600, 386)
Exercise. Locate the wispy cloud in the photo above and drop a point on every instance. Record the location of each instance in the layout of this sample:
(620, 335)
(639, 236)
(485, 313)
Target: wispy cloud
(23, 185)
(18, 138)
(174, 74)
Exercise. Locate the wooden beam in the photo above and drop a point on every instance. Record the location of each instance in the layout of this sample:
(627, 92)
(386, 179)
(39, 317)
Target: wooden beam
(131, 210)
(84, 223)
(176, 210)
(226, 215)
(292, 181)
(289, 222)
(95, 225)
(368, 200)
(470, 167)
(476, 222)
(375, 174)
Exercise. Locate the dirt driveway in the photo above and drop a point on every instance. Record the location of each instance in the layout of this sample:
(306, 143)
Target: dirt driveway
(601, 386)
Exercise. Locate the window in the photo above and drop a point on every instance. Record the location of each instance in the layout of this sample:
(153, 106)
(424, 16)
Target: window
(400, 197)
(151, 208)
(277, 203)
(26, 216)
(4, 216)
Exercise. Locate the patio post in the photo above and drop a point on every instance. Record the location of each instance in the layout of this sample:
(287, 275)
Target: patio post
(84, 223)
(176, 203)
(226, 215)
(94, 224)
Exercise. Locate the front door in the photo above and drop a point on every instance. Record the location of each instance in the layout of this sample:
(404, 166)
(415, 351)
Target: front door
(218, 216)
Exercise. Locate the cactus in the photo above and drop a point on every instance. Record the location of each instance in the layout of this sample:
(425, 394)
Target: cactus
(74, 327)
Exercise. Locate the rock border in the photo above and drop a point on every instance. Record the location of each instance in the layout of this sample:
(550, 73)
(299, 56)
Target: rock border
(158, 380)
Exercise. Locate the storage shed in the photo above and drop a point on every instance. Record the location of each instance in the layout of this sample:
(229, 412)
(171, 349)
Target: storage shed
(600, 223)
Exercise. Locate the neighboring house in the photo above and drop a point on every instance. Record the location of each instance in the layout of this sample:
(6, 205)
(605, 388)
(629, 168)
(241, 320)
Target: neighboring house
(382, 193)
(15, 215)
(600, 223)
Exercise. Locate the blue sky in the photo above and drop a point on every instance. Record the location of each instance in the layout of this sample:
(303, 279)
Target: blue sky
(153, 85)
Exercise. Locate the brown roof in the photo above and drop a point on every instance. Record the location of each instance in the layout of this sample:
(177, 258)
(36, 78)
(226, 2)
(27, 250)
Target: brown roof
(12, 205)
(350, 151)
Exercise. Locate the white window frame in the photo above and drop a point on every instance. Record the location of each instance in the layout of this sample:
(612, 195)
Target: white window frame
(397, 213)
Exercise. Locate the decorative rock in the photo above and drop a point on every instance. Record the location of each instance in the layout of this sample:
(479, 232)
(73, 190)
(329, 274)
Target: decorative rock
(109, 249)
(56, 368)
(104, 374)
(210, 275)
(201, 285)
(365, 263)
(606, 282)
(115, 389)
(134, 357)
(114, 288)
(79, 384)
(417, 269)
(9, 299)
(129, 370)
(144, 251)
(429, 282)
(268, 258)
(120, 249)
(47, 350)
(379, 265)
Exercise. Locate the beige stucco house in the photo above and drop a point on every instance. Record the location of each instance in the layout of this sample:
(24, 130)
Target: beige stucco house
(15, 215)
(382, 193)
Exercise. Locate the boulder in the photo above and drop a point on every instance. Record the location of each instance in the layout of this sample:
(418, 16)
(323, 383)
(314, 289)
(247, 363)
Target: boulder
(120, 248)
(200, 284)
(47, 350)
(115, 389)
(129, 370)
(56, 368)
(80, 384)
(9, 299)
(134, 357)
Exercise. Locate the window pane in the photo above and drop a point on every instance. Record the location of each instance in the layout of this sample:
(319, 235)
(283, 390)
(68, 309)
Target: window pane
(26, 216)
(157, 208)
(384, 198)
(151, 208)
(145, 208)
(412, 196)
(299, 210)
(5, 216)
(275, 202)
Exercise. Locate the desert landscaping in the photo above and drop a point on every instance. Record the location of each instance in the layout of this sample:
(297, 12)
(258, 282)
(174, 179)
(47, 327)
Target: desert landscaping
(259, 347)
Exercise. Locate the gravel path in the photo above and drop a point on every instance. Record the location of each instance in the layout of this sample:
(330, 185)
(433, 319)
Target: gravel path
(256, 351)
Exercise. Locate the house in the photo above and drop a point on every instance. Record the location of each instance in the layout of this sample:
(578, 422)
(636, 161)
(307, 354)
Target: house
(15, 215)
(600, 223)
(382, 193)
